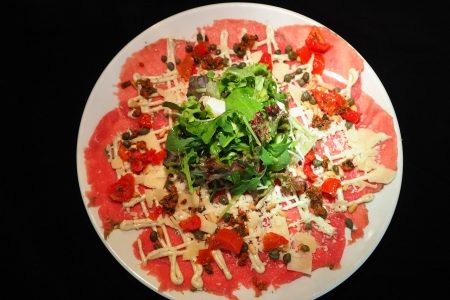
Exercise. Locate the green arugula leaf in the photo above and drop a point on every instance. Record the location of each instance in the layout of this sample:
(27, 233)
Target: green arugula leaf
(171, 105)
(241, 100)
(177, 144)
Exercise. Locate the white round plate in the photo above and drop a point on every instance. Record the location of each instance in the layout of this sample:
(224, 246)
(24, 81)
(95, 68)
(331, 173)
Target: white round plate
(102, 99)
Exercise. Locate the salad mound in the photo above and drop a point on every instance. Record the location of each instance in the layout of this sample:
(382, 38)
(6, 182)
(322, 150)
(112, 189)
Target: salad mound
(242, 157)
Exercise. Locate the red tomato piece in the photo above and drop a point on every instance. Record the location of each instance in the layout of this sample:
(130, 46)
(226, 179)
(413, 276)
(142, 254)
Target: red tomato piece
(310, 156)
(153, 157)
(201, 49)
(351, 116)
(305, 54)
(273, 241)
(266, 59)
(145, 120)
(123, 153)
(330, 186)
(329, 102)
(186, 67)
(318, 64)
(307, 169)
(228, 240)
(204, 257)
(123, 189)
(192, 223)
(136, 163)
(315, 41)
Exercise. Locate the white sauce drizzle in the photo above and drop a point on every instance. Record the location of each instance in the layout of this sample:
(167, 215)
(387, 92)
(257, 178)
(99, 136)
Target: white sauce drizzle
(218, 258)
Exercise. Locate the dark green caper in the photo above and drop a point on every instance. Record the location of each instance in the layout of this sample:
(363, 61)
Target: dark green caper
(226, 217)
(206, 38)
(306, 96)
(274, 254)
(299, 71)
(198, 235)
(189, 48)
(292, 55)
(242, 65)
(126, 136)
(223, 200)
(170, 66)
(335, 169)
(127, 144)
(337, 89)
(157, 245)
(244, 247)
(304, 248)
(218, 52)
(301, 82)
(305, 77)
(207, 268)
(241, 53)
(212, 47)
(278, 52)
(312, 100)
(349, 223)
(288, 49)
(287, 77)
(164, 58)
(348, 124)
(308, 226)
(317, 163)
(143, 131)
(199, 37)
(351, 101)
(177, 61)
(287, 258)
(154, 236)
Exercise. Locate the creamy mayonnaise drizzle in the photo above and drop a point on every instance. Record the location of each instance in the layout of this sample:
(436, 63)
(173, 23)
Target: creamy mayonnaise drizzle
(136, 224)
(257, 264)
(220, 261)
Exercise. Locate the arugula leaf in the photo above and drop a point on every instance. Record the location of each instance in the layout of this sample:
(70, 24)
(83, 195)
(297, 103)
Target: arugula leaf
(276, 156)
(186, 170)
(305, 139)
(177, 144)
(171, 105)
(241, 100)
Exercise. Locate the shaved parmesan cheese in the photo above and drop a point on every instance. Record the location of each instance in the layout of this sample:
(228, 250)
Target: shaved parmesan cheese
(305, 239)
(217, 106)
(207, 226)
(296, 93)
(192, 250)
(381, 175)
(255, 57)
(117, 163)
(150, 141)
(280, 226)
(300, 262)
(279, 70)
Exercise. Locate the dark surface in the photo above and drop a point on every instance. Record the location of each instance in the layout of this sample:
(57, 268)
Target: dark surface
(67, 47)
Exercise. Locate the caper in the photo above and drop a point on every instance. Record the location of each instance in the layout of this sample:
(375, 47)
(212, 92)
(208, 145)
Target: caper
(305, 77)
(207, 268)
(218, 52)
(337, 89)
(127, 144)
(199, 37)
(226, 217)
(126, 136)
(170, 66)
(299, 71)
(154, 236)
(301, 82)
(348, 124)
(189, 48)
(306, 96)
(287, 258)
(287, 77)
(143, 131)
(308, 226)
(304, 248)
(244, 247)
(349, 223)
(241, 53)
(278, 52)
(177, 61)
(223, 200)
(242, 65)
(335, 169)
(156, 245)
(312, 100)
(288, 49)
(317, 163)
(351, 101)
(292, 55)
(206, 38)
(164, 58)
(274, 254)
(198, 235)
(212, 47)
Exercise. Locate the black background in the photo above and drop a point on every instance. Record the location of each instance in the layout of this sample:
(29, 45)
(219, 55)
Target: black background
(58, 50)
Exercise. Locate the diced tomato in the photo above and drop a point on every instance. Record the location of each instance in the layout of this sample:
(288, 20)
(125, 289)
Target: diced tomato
(330, 186)
(318, 64)
(186, 67)
(155, 212)
(351, 116)
(201, 49)
(307, 169)
(315, 41)
(305, 54)
(228, 240)
(273, 241)
(136, 163)
(153, 157)
(190, 224)
(123, 189)
(310, 156)
(145, 120)
(266, 59)
(204, 257)
(330, 102)
(123, 153)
